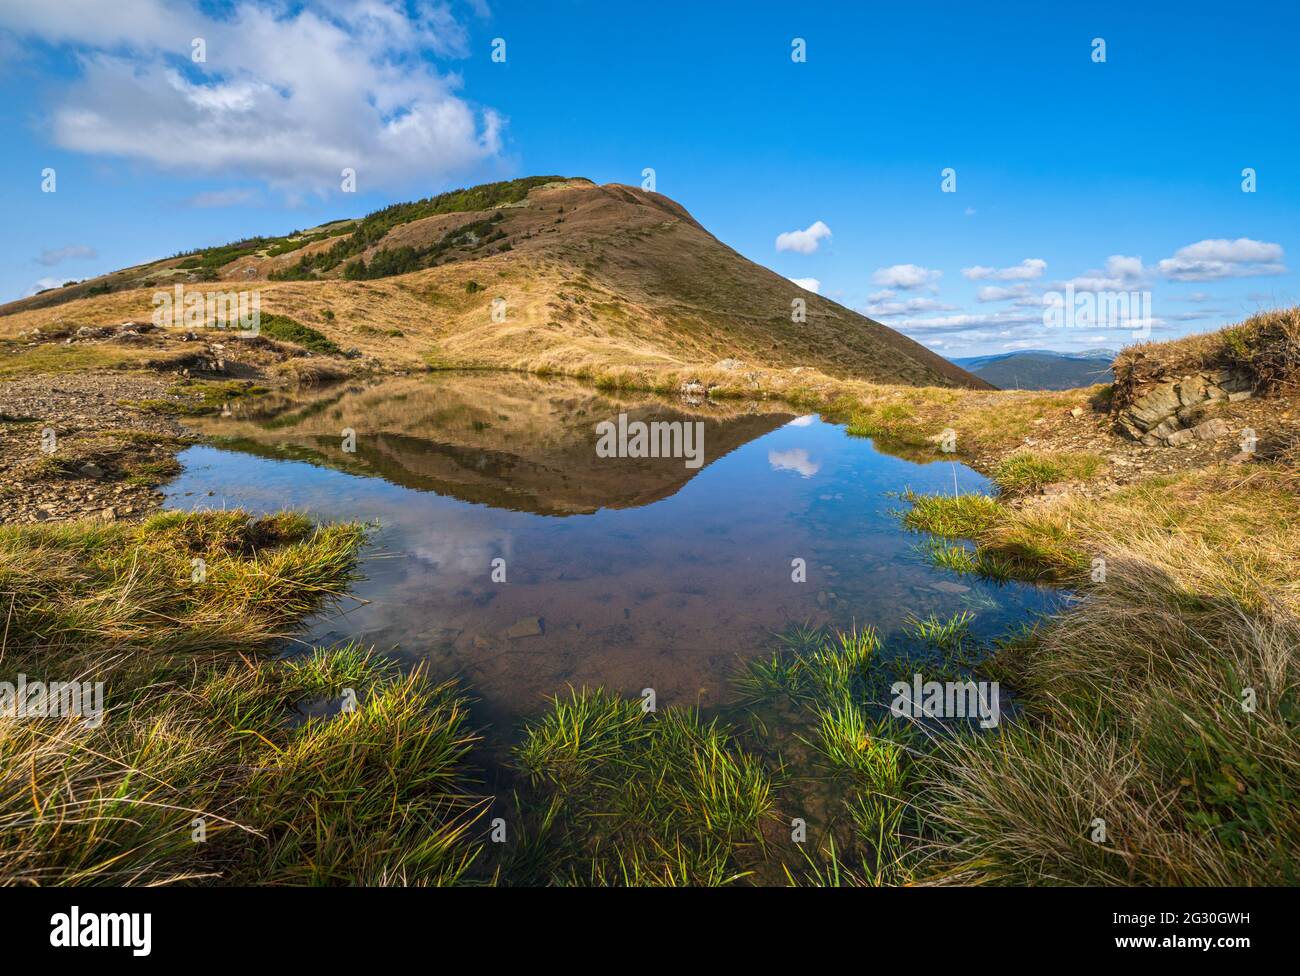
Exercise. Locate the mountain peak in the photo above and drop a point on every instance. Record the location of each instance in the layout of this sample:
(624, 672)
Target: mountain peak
(543, 272)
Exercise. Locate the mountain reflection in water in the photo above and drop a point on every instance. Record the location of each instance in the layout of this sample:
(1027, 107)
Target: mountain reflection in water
(629, 573)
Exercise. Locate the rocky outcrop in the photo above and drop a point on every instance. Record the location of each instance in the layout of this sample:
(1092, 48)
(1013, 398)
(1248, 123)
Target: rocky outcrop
(1173, 412)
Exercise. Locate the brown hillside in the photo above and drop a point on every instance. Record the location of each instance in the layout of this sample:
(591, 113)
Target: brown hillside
(595, 279)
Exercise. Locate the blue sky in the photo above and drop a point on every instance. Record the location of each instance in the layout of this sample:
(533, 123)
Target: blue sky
(1122, 175)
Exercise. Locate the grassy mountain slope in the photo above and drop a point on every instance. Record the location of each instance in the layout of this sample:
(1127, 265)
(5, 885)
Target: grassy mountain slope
(594, 279)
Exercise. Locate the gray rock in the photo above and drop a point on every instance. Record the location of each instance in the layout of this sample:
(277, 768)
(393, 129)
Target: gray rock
(1147, 411)
(1211, 429)
(523, 627)
(1191, 390)
(943, 586)
(1237, 383)
(1166, 427)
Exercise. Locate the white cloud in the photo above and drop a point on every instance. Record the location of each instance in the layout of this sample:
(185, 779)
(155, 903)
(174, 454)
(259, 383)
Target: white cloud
(1001, 293)
(908, 306)
(803, 241)
(808, 284)
(1027, 270)
(796, 460)
(1211, 260)
(905, 276)
(965, 321)
(42, 284)
(1121, 273)
(1123, 267)
(52, 256)
(805, 421)
(288, 95)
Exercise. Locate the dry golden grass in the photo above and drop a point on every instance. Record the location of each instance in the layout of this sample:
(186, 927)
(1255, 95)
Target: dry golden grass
(1265, 346)
(1163, 703)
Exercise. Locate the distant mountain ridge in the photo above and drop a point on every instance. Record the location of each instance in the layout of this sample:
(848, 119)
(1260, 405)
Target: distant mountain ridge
(1042, 369)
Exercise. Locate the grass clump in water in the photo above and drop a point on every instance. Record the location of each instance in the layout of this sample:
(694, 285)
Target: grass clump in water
(619, 796)
(951, 516)
(1046, 554)
(838, 685)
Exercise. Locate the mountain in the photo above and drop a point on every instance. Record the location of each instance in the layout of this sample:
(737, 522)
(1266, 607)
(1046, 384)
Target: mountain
(593, 281)
(1042, 369)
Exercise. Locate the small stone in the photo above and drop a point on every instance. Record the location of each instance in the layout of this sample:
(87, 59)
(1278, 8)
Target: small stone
(943, 586)
(1211, 429)
(524, 627)
(1077, 412)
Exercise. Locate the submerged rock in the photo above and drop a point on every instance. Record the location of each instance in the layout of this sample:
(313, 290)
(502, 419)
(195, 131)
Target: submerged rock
(524, 627)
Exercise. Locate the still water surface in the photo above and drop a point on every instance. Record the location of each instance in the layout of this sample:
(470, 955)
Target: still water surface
(626, 573)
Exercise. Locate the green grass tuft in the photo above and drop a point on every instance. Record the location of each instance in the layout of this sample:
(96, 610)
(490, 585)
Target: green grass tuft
(621, 797)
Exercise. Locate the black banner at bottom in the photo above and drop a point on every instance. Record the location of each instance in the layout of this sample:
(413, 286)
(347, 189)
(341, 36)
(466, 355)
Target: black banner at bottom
(216, 926)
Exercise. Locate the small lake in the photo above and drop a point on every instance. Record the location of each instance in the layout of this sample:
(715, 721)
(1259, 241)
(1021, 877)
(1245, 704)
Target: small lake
(624, 572)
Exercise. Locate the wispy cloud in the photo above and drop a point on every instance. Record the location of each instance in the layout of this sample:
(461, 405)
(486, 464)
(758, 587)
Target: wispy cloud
(907, 306)
(1027, 270)
(1212, 260)
(1001, 293)
(43, 284)
(209, 199)
(905, 276)
(52, 256)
